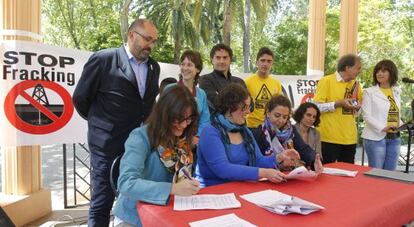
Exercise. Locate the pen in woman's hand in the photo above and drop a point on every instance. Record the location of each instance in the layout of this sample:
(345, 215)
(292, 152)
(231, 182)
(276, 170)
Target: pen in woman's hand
(186, 174)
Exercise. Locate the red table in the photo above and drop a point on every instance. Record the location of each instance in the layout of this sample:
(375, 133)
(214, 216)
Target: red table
(360, 201)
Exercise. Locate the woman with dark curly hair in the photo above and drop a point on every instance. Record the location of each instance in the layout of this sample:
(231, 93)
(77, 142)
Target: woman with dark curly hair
(277, 136)
(307, 117)
(227, 150)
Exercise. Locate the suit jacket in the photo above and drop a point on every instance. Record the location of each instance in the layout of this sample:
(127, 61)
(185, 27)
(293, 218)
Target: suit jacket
(107, 96)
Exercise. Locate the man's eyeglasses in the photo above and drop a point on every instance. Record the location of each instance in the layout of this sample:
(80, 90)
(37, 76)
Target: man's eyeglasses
(147, 38)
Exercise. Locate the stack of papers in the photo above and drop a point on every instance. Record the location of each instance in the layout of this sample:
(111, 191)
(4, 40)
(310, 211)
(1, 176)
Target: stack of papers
(281, 203)
(228, 220)
(208, 201)
(339, 172)
(301, 173)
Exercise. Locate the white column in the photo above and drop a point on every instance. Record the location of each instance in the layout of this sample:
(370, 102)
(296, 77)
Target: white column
(23, 199)
(316, 37)
(348, 34)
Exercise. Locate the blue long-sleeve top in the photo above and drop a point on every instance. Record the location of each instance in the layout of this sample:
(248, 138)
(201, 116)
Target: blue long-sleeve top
(214, 167)
(142, 177)
(202, 108)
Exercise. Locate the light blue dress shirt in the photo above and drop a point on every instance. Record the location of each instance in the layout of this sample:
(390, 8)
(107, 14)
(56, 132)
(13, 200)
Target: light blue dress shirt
(140, 70)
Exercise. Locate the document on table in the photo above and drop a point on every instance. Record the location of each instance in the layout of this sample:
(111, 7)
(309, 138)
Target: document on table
(281, 203)
(207, 201)
(228, 220)
(301, 173)
(339, 172)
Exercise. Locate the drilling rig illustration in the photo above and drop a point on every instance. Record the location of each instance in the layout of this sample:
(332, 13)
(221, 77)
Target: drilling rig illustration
(32, 115)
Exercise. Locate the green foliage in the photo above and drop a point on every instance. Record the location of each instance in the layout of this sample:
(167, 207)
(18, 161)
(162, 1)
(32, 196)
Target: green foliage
(386, 30)
(332, 39)
(80, 25)
(383, 35)
(182, 20)
(163, 53)
(291, 47)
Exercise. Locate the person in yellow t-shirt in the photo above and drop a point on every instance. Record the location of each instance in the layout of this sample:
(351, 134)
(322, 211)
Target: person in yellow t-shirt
(339, 97)
(261, 87)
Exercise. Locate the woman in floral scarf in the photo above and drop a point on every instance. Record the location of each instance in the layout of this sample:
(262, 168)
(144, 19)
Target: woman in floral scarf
(158, 158)
(277, 136)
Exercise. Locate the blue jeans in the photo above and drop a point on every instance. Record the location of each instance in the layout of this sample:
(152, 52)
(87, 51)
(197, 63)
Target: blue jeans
(384, 153)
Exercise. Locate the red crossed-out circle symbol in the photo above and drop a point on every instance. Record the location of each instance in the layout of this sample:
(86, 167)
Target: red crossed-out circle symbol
(19, 90)
(307, 98)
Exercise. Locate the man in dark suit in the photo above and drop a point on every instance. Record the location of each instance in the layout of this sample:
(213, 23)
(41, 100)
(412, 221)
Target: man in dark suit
(115, 94)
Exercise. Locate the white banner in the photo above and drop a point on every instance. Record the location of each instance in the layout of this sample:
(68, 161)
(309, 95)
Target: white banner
(37, 83)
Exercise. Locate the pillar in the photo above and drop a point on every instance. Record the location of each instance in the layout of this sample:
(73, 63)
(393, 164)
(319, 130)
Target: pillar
(348, 34)
(23, 199)
(316, 37)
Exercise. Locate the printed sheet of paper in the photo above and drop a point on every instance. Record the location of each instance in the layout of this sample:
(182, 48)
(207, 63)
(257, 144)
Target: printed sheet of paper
(228, 220)
(208, 201)
(281, 203)
(301, 173)
(339, 172)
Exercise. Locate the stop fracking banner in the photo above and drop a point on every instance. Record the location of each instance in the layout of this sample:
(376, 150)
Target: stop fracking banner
(36, 86)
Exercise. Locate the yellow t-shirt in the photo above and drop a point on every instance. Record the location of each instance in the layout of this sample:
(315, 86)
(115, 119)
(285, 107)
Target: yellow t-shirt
(393, 111)
(337, 127)
(261, 90)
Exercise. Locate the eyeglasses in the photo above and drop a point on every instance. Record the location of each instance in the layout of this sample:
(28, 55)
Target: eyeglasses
(245, 107)
(187, 120)
(147, 38)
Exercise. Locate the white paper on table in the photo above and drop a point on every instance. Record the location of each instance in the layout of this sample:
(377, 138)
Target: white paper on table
(301, 173)
(228, 220)
(339, 172)
(207, 201)
(281, 203)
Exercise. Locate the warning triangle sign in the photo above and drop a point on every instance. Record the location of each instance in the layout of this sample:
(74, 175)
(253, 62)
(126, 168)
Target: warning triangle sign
(262, 97)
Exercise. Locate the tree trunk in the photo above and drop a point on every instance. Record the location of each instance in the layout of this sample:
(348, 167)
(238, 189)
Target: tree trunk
(93, 12)
(228, 17)
(124, 20)
(69, 22)
(246, 36)
(177, 49)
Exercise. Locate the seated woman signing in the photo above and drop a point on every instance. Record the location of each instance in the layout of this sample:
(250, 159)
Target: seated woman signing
(227, 150)
(276, 136)
(158, 158)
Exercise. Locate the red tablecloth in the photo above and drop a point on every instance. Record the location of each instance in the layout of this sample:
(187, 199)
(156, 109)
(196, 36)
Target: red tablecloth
(360, 201)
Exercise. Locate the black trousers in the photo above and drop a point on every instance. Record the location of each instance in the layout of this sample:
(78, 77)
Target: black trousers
(102, 195)
(333, 152)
